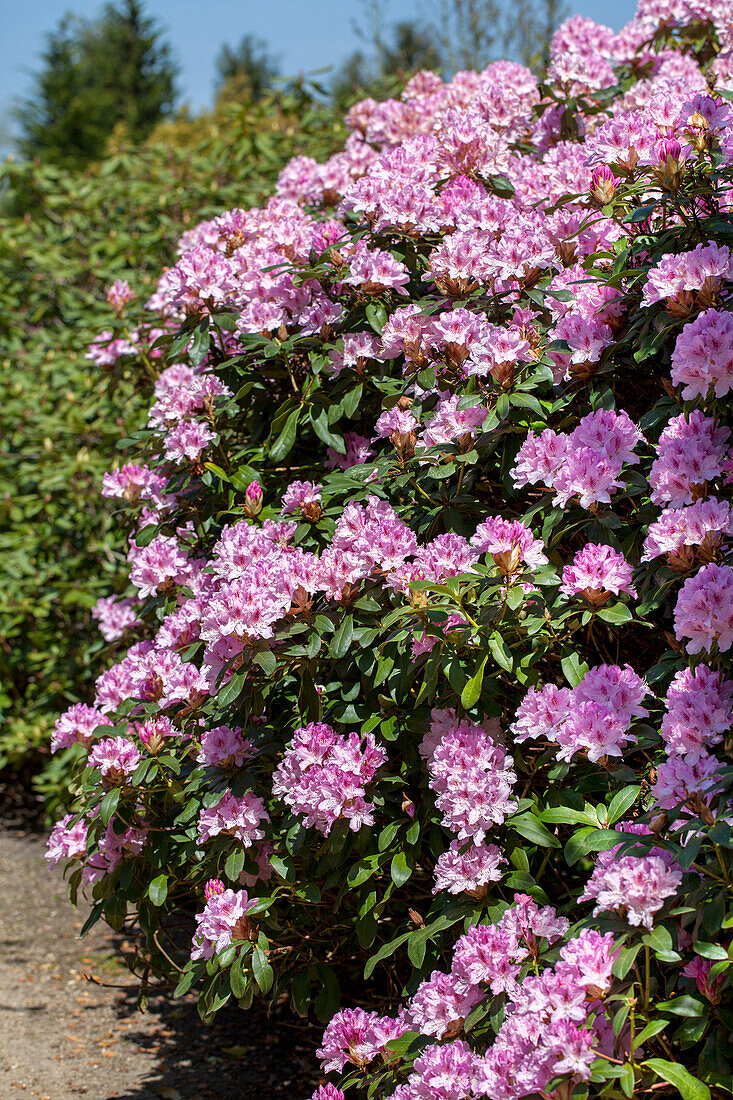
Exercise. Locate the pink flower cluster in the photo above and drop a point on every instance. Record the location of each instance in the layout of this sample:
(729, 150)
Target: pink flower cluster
(596, 573)
(224, 747)
(77, 724)
(553, 1022)
(594, 718)
(634, 887)
(323, 776)
(472, 778)
(691, 452)
(240, 818)
(221, 922)
(704, 610)
(586, 464)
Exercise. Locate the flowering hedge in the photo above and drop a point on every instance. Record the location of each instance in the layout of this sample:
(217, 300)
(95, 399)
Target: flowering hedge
(64, 236)
(426, 691)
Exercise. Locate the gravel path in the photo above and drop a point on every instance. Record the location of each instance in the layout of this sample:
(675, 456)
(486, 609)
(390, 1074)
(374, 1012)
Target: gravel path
(63, 1035)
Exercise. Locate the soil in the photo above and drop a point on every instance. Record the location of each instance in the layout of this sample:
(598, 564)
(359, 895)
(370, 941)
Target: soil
(69, 1026)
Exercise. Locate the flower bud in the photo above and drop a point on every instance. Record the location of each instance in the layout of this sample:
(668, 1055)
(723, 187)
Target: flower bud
(253, 499)
(213, 887)
(119, 294)
(668, 148)
(603, 185)
(669, 153)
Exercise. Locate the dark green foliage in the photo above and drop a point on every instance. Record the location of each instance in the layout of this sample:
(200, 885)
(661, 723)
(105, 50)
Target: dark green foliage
(248, 70)
(96, 75)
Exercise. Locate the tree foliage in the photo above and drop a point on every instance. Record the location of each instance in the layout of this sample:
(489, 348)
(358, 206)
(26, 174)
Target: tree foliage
(247, 70)
(97, 74)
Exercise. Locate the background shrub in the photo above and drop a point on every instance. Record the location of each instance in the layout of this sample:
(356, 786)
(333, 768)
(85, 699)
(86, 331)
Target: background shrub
(64, 237)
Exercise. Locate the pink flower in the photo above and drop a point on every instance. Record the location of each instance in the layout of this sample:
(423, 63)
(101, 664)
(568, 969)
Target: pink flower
(323, 776)
(704, 610)
(699, 969)
(597, 572)
(224, 747)
(187, 440)
(67, 840)
(237, 817)
(472, 779)
(705, 267)
(691, 452)
(116, 757)
(222, 921)
(301, 496)
(439, 1003)
(634, 887)
(699, 711)
(395, 422)
(467, 868)
(119, 293)
(77, 724)
(510, 543)
(593, 718)
(702, 359)
(685, 535)
(357, 1037)
(115, 616)
(253, 497)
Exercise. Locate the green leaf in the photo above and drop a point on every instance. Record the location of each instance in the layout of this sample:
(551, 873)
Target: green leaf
(625, 960)
(109, 805)
(387, 835)
(238, 979)
(400, 1046)
(200, 344)
(327, 999)
(266, 660)
(190, 975)
(384, 953)
(417, 946)
(565, 815)
(500, 651)
(590, 840)
(376, 315)
(627, 1080)
(620, 803)
(683, 1006)
(231, 691)
(688, 1086)
(531, 828)
(573, 669)
(324, 433)
(285, 441)
(711, 951)
(342, 638)
(362, 870)
(401, 868)
(618, 613)
(234, 864)
(641, 213)
(654, 1027)
(263, 973)
(472, 691)
(158, 890)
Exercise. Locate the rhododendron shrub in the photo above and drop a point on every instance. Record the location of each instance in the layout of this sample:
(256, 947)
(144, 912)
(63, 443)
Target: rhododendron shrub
(423, 690)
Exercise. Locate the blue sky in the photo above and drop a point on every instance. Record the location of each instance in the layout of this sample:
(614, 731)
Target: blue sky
(306, 34)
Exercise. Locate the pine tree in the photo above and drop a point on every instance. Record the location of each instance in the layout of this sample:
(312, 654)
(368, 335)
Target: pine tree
(247, 71)
(96, 75)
